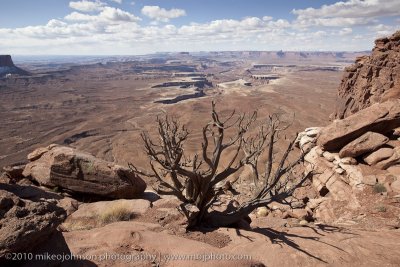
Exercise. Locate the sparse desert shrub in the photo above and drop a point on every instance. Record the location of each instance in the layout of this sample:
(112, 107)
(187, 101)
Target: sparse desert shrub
(88, 166)
(77, 225)
(381, 208)
(115, 214)
(55, 189)
(195, 179)
(379, 188)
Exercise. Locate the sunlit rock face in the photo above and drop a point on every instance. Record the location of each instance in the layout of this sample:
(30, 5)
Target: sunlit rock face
(371, 79)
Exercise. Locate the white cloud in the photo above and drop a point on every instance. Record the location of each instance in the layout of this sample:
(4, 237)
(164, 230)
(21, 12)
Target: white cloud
(116, 14)
(110, 30)
(382, 30)
(235, 27)
(348, 13)
(117, 1)
(320, 34)
(76, 16)
(110, 14)
(380, 27)
(334, 22)
(345, 31)
(266, 18)
(162, 14)
(87, 6)
(56, 23)
(279, 24)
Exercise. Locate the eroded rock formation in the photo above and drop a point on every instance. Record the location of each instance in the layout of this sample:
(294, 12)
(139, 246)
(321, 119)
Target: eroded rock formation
(372, 79)
(6, 61)
(7, 67)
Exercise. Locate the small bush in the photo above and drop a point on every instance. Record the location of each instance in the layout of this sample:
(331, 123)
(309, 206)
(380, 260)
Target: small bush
(379, 188)
(77, 225)
(116, 214)
(55, 189)
(381, 208)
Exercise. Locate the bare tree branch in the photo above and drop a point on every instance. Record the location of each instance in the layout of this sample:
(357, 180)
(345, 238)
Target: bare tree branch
(194, 182)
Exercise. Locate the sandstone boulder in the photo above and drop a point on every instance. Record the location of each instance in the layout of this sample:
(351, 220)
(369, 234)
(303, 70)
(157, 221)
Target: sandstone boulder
(312, 131)
(348, 161)
(24, 224)
(393, 160)
(70, 205)
(395, 186)
(326, 180)
(339, 170)
(329, 156)
(368, 142)
(393, 143)
(37, 153)
(379, 155)
(306, 140)
(4, 178)
(262, 212)
(300, 214)
(315, 202)
(14, 171)
(369, 179)
(81, 172)
(394, 170)
(379, 118)
(31, 192)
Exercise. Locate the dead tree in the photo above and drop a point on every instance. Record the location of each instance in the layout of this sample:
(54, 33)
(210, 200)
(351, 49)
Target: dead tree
(194, 180)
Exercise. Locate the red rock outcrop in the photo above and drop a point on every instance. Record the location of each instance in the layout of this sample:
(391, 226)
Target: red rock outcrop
(368, 142)
(372, 79)
(380, 118)
(24, 224)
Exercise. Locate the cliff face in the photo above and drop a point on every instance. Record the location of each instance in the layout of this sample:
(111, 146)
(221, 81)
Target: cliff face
(7, 67)
(6, 61)
(372, 79)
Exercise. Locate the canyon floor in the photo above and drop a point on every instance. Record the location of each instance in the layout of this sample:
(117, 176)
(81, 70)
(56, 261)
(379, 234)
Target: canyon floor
(102, 108)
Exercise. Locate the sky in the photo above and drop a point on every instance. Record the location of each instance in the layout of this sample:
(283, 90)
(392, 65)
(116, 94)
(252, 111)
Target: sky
(126, 27)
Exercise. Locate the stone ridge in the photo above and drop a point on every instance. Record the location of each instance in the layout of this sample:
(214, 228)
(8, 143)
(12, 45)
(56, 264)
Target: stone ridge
(371, 79)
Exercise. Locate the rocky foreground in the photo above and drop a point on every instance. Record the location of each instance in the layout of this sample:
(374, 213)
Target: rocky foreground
(356, 165)
(333, 227)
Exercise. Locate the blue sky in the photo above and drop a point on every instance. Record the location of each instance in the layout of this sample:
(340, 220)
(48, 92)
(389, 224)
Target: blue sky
(77, 27)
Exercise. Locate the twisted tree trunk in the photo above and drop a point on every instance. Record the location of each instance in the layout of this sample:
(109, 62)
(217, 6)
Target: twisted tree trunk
(194, 180)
